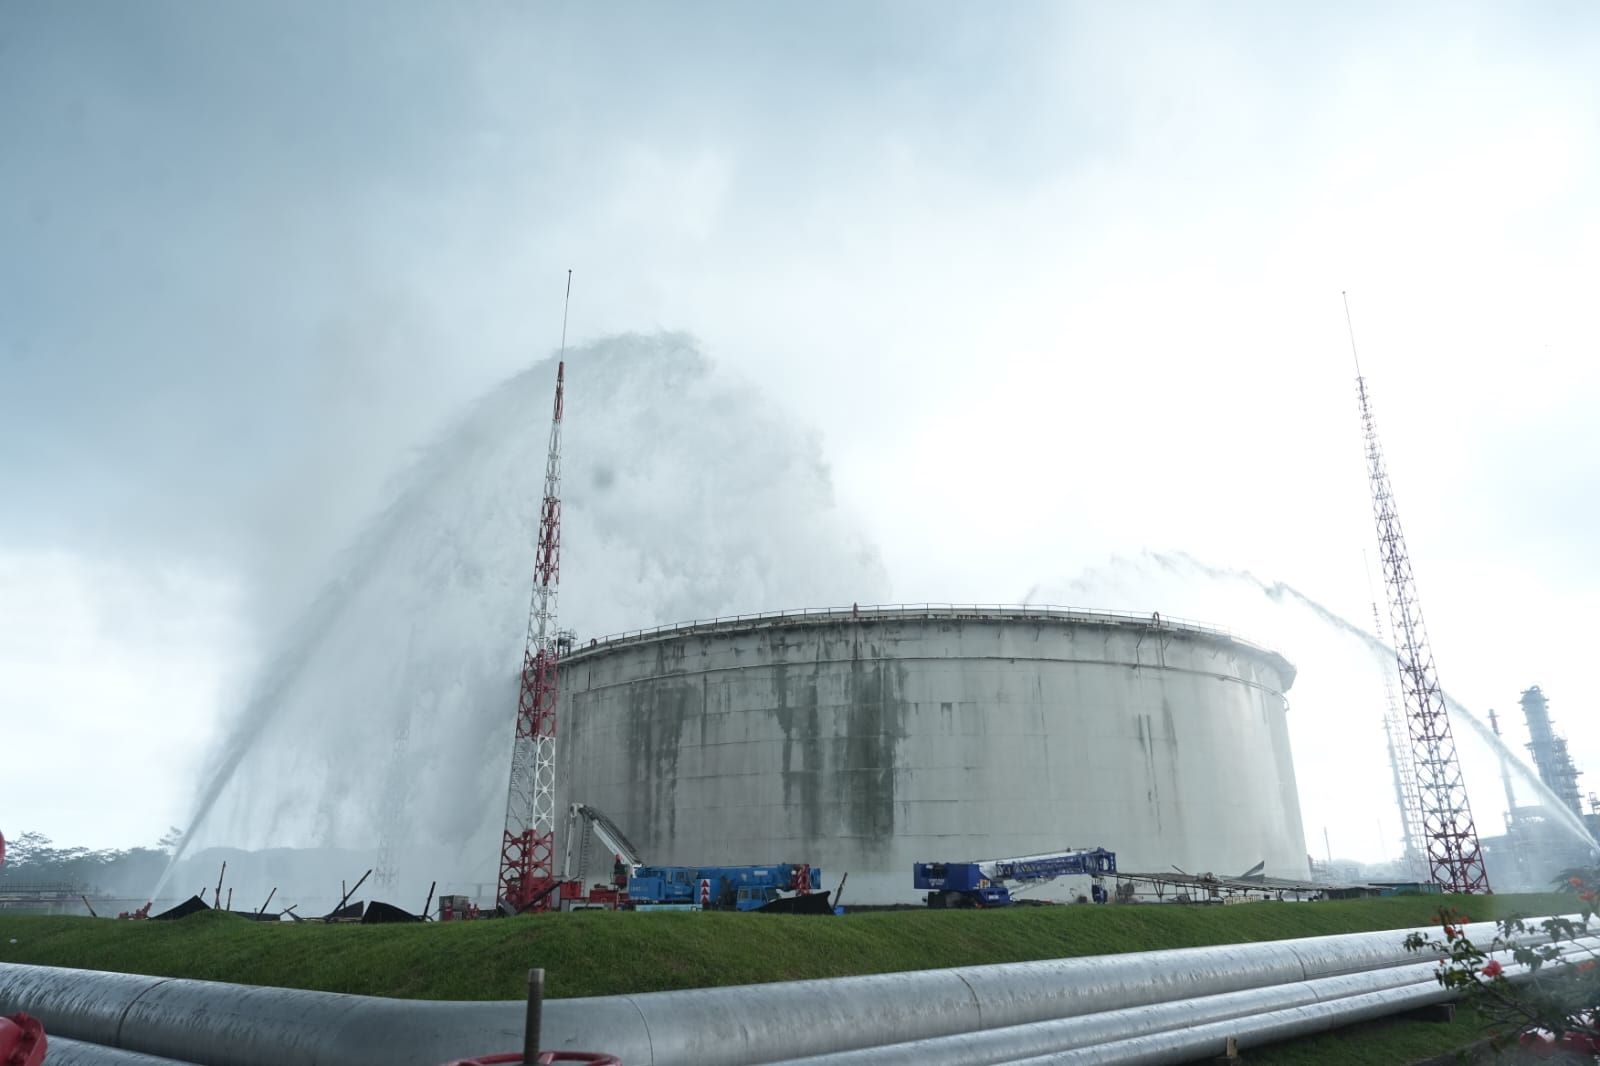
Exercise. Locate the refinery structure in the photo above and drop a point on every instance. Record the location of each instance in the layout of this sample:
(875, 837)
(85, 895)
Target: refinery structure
(1539, 842)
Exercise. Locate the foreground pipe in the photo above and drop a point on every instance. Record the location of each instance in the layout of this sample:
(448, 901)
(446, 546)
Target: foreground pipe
(207, 1022)
(990, 1046)
(763, 1023)
(235, 1025)
(1271, 1027)
(1212, 1040)
(76, 1053)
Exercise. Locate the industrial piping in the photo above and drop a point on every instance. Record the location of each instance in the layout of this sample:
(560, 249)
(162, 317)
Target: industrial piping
(1237, 1012)
(1256, 1030)
(987, 1046)
(233, 1025)
(65, 1052)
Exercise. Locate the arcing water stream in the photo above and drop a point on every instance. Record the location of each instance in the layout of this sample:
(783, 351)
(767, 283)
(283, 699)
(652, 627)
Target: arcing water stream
(686, 495)
(1385, 659)
(1340, 683)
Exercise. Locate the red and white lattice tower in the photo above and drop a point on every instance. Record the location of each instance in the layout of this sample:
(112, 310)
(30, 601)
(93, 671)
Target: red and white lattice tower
(1455, 861)
(527, 850)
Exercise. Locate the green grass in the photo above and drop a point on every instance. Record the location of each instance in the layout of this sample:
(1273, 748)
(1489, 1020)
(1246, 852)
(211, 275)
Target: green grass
(597, 953)
(1379, 1043)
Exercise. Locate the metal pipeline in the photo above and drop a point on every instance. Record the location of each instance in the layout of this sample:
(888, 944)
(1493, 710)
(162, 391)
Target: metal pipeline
(77, 1053)
(1184, 1046)
(1270, 1027)
(762, 1023)
(234, 1025)
(990, 1046)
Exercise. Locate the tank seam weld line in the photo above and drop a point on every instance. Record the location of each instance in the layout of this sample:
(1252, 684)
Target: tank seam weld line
(649, 1037)
(123, 1017)
(929, 659)
(977, 1002)
(1305, 972)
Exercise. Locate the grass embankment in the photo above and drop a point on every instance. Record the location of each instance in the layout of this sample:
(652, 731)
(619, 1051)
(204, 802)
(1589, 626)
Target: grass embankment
(597, 953)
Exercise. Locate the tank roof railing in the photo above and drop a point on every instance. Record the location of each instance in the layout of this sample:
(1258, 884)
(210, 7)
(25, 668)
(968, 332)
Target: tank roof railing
(876, 612)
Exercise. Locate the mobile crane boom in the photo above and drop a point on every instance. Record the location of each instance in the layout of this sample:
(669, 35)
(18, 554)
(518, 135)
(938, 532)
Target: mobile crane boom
(580, 819)
(982, 882)
(1095, 862)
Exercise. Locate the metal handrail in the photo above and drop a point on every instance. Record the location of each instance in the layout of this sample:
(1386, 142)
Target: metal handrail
(1051, 612)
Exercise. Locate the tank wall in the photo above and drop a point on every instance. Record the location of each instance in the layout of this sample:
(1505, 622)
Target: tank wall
(866, 746)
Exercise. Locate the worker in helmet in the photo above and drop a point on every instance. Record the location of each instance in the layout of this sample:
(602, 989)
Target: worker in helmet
(619, 873)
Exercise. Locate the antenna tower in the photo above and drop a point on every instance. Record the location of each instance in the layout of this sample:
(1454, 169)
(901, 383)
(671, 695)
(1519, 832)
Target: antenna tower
(1405, 769)
(1455, 860)
(527, 850)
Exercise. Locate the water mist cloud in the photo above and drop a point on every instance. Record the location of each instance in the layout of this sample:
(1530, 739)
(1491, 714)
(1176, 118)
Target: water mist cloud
(686, 494)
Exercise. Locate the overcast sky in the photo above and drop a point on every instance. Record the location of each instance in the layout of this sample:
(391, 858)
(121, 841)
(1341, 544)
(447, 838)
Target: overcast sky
(1048, 282)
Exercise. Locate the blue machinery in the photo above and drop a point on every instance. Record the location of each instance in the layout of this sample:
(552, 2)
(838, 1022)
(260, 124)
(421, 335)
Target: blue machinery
(744, 888)
(982, 883)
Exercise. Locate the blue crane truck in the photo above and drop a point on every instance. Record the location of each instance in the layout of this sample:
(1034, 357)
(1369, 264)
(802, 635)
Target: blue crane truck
(982, 882)
(742, 888)
(776, 888)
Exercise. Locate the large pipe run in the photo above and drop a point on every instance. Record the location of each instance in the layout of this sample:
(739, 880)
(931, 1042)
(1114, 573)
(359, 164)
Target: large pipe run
(988, 1046)
(64, 1052)
(235, 1025)
(1269, 1027)
(1238, 1009)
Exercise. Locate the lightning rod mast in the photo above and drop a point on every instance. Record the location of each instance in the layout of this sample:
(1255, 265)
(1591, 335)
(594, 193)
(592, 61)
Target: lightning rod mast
(1455, 860)
(527, 849)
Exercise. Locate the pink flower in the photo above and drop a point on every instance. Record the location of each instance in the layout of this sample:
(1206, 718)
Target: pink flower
(1492, 968)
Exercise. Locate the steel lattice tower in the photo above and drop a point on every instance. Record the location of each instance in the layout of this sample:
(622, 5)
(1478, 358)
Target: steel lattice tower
(1406, 793)
(527, 849)
(1455, 860)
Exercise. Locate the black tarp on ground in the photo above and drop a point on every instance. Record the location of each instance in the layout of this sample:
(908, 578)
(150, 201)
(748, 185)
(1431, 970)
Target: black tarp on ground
(269, 916)
(809, 903)
(349, 912)
(380, 913)
(192, 905)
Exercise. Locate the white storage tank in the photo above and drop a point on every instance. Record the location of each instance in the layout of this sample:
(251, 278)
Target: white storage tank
(865, 740)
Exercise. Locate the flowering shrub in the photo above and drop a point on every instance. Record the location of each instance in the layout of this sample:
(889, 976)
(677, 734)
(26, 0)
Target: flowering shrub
(1535, 980)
